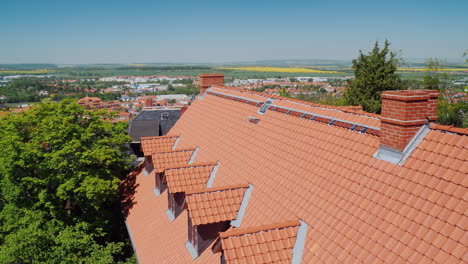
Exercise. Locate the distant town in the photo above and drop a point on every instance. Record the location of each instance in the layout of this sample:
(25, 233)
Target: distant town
(130, 95)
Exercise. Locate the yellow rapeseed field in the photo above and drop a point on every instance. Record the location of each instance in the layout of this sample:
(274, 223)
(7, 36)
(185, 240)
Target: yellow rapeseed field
(425, 69)
(38, 71)
(279, 69)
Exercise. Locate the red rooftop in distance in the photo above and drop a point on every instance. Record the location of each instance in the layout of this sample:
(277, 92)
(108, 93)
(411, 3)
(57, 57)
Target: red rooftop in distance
(306, 183)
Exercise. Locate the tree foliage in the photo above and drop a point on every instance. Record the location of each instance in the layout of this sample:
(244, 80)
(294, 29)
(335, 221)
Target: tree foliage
(373, 73)
(435, 79)
(449, 112)
(60, 168)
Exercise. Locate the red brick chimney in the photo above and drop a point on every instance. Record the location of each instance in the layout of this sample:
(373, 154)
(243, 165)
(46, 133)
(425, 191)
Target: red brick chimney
(183, 109)
(148, 102)
(210, 79)
(403, 114)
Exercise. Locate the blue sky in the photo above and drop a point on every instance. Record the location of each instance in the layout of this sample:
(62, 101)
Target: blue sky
(118, 31)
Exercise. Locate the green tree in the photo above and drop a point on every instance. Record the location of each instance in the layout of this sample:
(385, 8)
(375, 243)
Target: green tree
(452, 114)
(60, 168)
(373, 73)
(435, 79)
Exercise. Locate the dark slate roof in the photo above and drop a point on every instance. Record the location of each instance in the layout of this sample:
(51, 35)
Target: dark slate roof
(153, 123)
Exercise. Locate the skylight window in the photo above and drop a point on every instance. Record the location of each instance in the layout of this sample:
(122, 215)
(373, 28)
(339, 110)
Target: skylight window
(265, 106)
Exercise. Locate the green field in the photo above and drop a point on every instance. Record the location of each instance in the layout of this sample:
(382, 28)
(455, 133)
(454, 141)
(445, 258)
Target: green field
(231, 71)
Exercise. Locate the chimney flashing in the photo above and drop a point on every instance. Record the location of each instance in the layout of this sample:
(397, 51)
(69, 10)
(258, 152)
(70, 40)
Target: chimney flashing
(399, 157)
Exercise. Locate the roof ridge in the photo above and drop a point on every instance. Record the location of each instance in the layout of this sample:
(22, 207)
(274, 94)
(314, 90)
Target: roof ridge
(346, 109)
(216, 189)
(458, 130)
(174, 150)
(251, 230)
(159, 137)
(201, 164)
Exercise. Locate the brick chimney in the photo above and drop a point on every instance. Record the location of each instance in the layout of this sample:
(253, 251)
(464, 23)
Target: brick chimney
(183, 109)
(210, 79)
(149, 102)
(403, 114)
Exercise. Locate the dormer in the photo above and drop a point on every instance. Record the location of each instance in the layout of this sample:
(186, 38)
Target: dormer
(168, 159)
(150, 145)
(211, 211)
(184, 178)
(275, 243)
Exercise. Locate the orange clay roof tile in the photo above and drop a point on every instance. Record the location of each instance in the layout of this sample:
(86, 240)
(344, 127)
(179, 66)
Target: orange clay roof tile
(151, 145)
(171, 158)
(264, 244)
(188, 177)
(356, 206)
(215, 204)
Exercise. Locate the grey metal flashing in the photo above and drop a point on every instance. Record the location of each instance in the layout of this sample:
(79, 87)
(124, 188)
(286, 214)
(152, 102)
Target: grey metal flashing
(192, 158)
(245, 201)
(170, 215)
(415, 141)
(327, 117)
(266, 106)
(389, 155)
(298, 248)
(399, 157)
(210, 181)
(193, 252)
(235, 96)
(204, 94)
(175, 143)
(131, 239)
(156, 192)
(145, 172)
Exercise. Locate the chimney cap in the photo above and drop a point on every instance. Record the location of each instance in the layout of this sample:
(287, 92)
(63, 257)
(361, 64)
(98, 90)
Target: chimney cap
(409, 95)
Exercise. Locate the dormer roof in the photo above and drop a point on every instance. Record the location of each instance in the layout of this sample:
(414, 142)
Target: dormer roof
(215, 204)
(151, 145)
(171, 158)
(188, 177)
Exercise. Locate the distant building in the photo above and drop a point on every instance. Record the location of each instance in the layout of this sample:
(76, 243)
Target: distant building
(151, 123)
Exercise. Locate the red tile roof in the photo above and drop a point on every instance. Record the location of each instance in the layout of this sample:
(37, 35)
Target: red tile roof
(215, 204)
(151, 145)
(359, 208)
(264, 244)
(188, 177)
(147, 223)
(171, 158)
